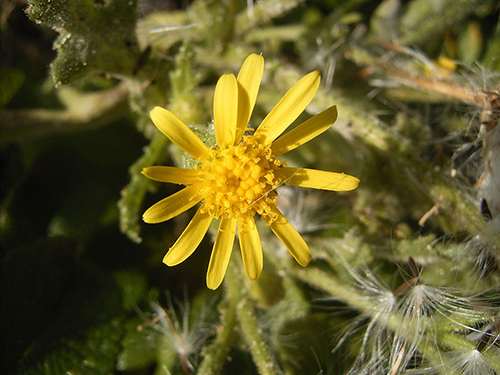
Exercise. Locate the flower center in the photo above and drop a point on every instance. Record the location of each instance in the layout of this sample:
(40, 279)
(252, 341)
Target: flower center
(239, 181)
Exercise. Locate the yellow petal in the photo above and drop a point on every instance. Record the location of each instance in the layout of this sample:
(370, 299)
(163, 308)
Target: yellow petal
(291, 239)
(178, 133)
(313, 178)
(171, 175)
(189, 240)
(173, 205)
(289, 108)
(221, 252)
(225, 110)
(251, 250)
(249, 79)
(305, 131)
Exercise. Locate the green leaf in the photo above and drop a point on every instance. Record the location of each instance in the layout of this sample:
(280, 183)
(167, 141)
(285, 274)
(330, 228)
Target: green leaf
(91, 353)
(94, 36)
(138, 347)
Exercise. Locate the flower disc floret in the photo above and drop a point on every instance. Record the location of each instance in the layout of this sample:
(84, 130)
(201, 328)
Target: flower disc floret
(239, 181)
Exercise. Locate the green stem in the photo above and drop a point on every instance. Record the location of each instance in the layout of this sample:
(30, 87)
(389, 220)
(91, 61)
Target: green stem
(461, 344)
(133, 194)
(431, 20)
(216, 354)
(250, 330)
(88, 111)
(450, 339)
(263, 12)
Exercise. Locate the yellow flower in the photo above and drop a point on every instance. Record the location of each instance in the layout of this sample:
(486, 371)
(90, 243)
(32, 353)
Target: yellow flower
(238, 178)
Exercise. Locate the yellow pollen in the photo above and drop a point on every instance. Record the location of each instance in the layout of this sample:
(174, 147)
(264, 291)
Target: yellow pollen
(257, 189)
(249, 195)
(239, 181)
(222, 179)
(238, 172)
(240, 191)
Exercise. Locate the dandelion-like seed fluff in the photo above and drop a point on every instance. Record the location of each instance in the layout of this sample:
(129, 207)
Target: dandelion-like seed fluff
(237, 179)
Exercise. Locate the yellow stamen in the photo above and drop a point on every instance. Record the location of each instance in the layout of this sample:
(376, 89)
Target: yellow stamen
(239, 181)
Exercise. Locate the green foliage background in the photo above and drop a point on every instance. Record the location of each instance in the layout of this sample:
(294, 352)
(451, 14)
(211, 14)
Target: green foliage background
(417, 88)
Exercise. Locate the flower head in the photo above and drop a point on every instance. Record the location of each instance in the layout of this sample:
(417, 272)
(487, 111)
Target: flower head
(237, 179)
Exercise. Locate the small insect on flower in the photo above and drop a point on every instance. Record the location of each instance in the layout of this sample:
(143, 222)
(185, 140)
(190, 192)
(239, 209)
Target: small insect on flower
(237, 179)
